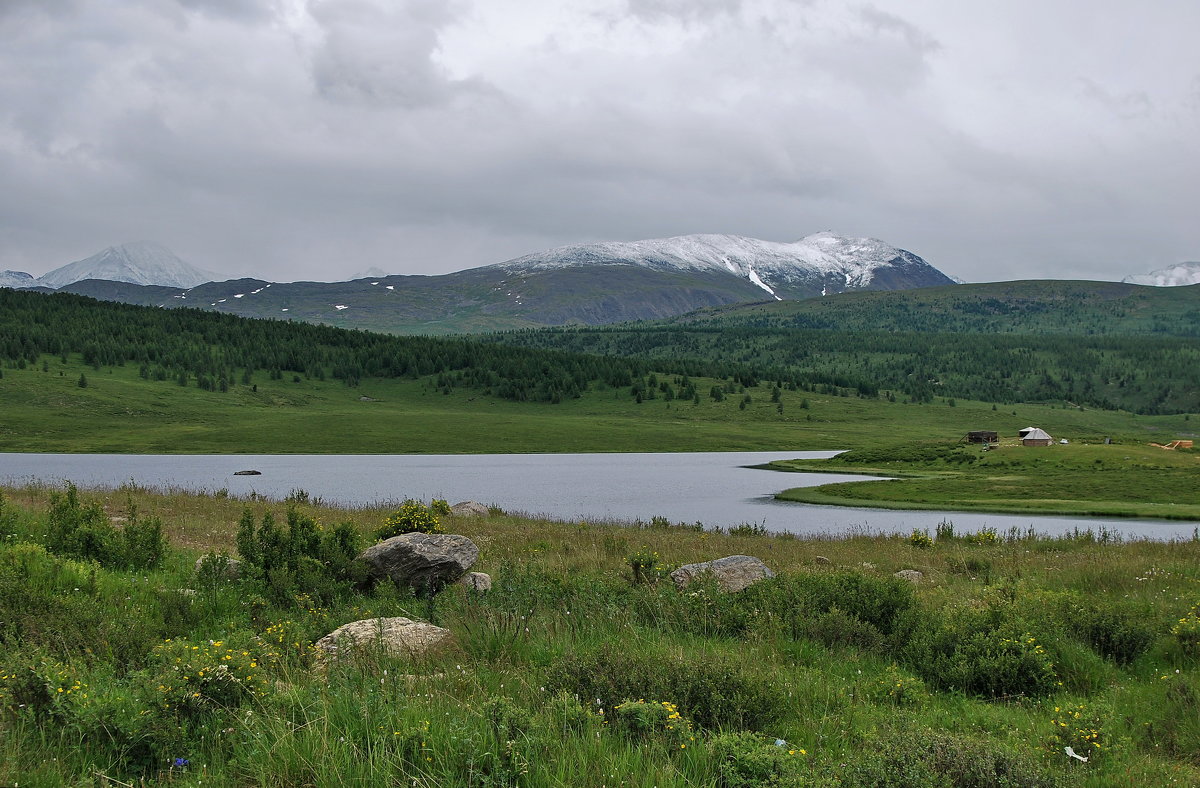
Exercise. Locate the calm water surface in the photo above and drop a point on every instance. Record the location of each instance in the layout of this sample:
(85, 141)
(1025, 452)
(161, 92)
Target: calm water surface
(714, 488)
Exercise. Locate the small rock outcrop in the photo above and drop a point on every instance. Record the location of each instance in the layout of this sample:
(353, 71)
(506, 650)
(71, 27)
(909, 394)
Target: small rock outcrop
(247, 473)
(395, 637)
(469, 509)
(822, 561)
(477, 581)
(911, 575)
(424, 562)
(732, 573)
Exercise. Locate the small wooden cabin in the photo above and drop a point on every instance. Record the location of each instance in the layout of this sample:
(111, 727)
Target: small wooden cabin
(1035, 436)
(983, 436)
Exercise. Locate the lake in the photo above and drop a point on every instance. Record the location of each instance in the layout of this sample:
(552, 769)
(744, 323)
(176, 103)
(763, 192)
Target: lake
(714, 488)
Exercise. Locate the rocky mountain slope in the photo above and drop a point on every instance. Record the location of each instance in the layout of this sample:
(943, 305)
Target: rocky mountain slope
(586, 284)
(140, 262)
(1173, 276)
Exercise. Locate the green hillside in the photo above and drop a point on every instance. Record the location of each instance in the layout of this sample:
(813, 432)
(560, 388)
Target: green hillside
(1090, 344)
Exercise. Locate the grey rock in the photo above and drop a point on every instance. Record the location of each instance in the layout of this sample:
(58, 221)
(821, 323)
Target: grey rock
(395, 637)
(424, 562)
(247, 473)
(822, 560)
(469, 509)
(732, 573)
(911, 575)
(477, 581)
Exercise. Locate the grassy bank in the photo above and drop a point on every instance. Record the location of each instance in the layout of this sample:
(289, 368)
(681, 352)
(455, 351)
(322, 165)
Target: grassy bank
(1130, 480)
(46, 410)
(571, 673)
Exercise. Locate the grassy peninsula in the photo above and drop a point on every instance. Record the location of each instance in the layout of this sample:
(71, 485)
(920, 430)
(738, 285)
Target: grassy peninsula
(1132, 480)
(584, 665)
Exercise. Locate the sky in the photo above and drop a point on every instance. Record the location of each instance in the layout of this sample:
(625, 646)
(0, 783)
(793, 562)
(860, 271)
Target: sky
(317, 139)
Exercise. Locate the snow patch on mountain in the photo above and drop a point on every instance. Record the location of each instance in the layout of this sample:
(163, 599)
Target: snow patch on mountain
(17, 279)
(1179, 275)
(139, 263)
(767, 264)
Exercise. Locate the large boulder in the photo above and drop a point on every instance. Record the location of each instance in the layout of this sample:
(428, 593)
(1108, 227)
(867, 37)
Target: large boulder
(424, 562)
(395, 637)
(732, 573)
(469, 509)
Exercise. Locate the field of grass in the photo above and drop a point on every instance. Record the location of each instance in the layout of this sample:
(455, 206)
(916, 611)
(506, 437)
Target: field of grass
(834, 673)
(1132, 480)
(118, 411)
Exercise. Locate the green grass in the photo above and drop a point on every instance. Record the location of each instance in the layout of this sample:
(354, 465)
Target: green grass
(121, 412)
(1132, 480)
(813, 658)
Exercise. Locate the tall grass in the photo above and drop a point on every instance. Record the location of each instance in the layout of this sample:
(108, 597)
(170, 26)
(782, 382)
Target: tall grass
(575, 670)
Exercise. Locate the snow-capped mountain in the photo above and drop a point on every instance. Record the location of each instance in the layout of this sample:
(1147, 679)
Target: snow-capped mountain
(1172, 276)
(827, 262)
(140, 263)
(17, 279)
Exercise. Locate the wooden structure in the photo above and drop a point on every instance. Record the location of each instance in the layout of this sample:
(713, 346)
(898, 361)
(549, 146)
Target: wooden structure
(1174, 445)
(983, 436)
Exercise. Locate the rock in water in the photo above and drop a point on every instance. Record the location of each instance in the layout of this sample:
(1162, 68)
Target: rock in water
(732, 573)
(424, 562)
(469, 509)
(396, 637)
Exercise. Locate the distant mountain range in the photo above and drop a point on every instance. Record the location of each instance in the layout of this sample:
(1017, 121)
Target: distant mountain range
(1182, 274)
(581, 284)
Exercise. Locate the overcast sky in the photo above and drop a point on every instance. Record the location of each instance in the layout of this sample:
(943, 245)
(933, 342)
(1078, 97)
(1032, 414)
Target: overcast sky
(314, 139)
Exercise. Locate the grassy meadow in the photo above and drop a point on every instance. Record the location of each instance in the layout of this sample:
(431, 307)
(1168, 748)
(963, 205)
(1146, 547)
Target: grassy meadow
(1131, 480)
(45, 410)
(121, 664)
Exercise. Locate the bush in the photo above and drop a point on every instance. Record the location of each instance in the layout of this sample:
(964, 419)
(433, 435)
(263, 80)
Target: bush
(748, 760)
(1119, 633)
(1187, 631)
(303, 559)
(412, 517)
(985, 650)
(80, 530)
(927, 758)
(711, 691)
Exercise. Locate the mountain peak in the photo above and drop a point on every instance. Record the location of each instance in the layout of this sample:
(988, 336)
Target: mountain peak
(823, 262)
(136, 262)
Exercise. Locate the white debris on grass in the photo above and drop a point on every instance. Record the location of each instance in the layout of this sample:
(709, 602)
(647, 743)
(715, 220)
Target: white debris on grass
(340, 307)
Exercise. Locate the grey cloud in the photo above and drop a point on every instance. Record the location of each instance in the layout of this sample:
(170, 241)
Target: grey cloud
(1127, 106)
(383, 55)
(316, 140)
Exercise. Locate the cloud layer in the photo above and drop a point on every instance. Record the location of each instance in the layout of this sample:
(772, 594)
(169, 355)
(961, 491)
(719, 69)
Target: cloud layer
(311, 140)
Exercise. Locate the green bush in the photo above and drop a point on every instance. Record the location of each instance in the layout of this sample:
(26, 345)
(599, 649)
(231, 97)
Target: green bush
(985, 650)
(303, 559)
(412, 517)
(939, 760)
(712, 691)
(749, 760)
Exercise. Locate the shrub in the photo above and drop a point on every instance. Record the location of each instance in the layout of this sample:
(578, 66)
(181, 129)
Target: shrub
(1074, 726)
(749, 760)
(985, 651)
(303, 559)
(412, 517)
(1187, 631)
(647, 566)
(927, 758)
(898, 688)
(712, 691)
(653, 721)
(920, 538)
(1119, 633)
